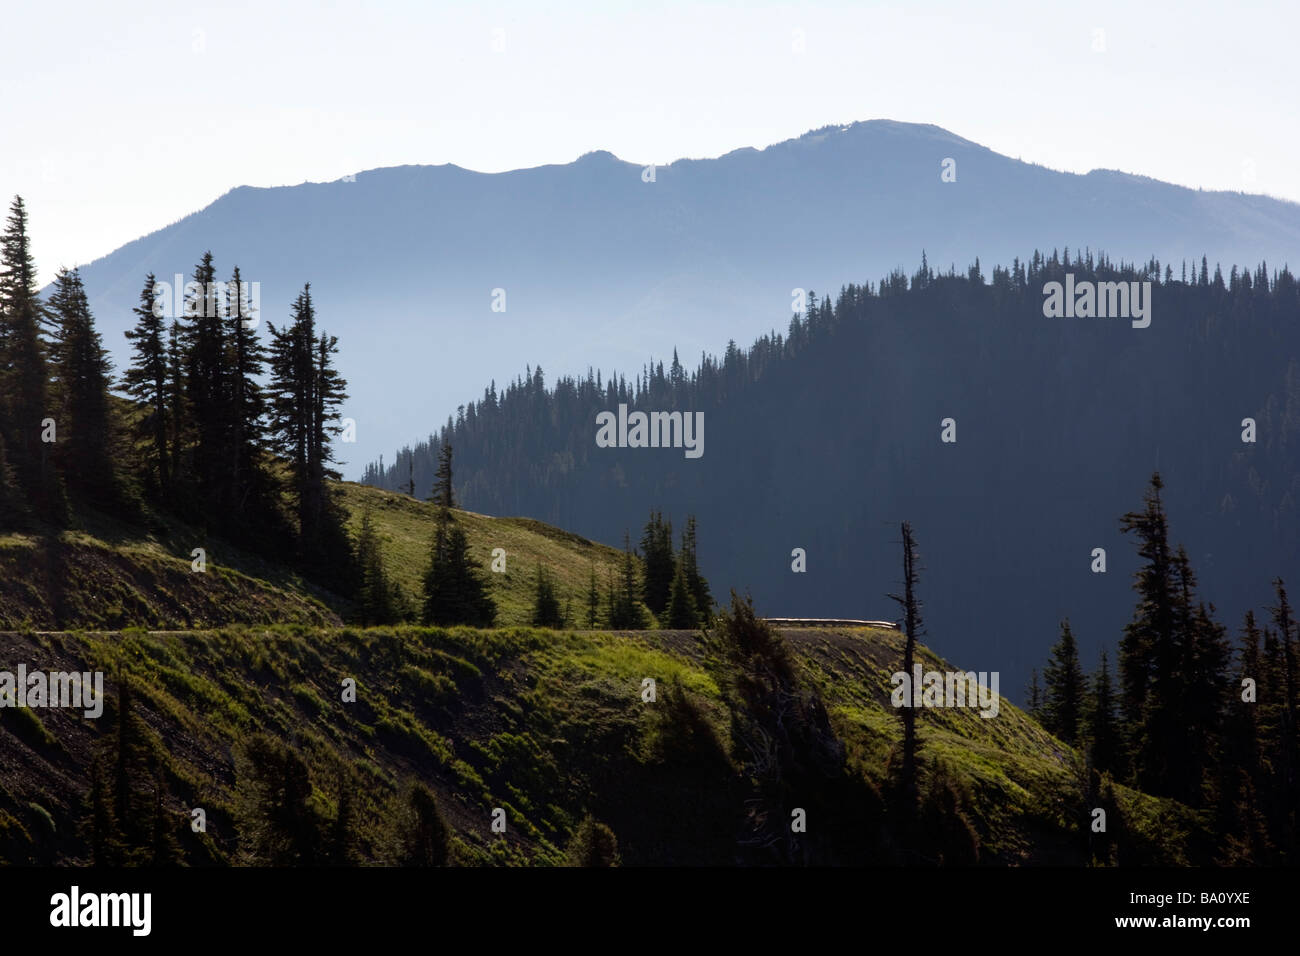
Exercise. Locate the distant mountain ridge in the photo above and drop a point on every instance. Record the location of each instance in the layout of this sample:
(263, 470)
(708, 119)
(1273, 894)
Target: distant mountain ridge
(601, 268)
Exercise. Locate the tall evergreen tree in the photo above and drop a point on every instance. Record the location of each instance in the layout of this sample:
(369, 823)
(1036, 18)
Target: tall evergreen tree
(292, 400)
(1064, 688)
(178, 417)
(1242, 810)
(699, 587)
(1284, 621)
(376, 600)
(1194, 735)
(1148, 655)
(1282, 688)
(146, 380)
(203, 350)
(1034, 694)
(247, 487)
(1103, 731)
(304, 397)
(681, 613)
(442, 494)
(546, 607)
(657, 560)
(330, 392)
(277, 822)
(81, 371)
(454, 589)
(23, 374)
(625, 609)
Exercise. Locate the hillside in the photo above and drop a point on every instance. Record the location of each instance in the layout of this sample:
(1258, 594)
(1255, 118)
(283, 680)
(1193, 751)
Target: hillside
(107, 573)
(549, 726)
(405, 525)
(406, 259)
(827, 434)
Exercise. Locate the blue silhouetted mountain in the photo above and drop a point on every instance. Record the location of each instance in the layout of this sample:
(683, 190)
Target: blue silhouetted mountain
(602, 268)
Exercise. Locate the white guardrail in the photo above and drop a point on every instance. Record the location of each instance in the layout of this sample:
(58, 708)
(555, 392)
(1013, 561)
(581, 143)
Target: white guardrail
(827, 622)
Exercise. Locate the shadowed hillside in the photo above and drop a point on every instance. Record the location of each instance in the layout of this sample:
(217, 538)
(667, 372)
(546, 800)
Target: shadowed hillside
(551, 727)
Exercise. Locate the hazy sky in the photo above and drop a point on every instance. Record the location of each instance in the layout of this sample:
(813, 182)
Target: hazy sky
(122, 117)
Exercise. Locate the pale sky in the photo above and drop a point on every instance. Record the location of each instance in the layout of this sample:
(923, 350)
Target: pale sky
(120, 118)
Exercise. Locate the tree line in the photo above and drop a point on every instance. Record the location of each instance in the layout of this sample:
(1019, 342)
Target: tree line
(220, 430)
(1188, 715)
(830, 427)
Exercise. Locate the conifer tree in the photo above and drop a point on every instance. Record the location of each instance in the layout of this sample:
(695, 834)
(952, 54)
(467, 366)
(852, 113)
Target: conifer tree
(146, 380)
(101, 825)
(657, 560)
(329, 392)
(1244, 739)
(1284, 621)
(1282, 682)
(304, 397)
(625, 608)
(81, 369)
(1242, 810)
(1064, 688)
(247, 488)
(1103, 733)
(203, 350)
(1192, 699)
(1034, 693)
(292, 395)
(699, 587)
(276, 821)
(375, 597)
(442, 494)
(127, 804)
(454, 589)
(546, 607)
(178, 419)
(23, 374)
(681, 613)
(1147, 654)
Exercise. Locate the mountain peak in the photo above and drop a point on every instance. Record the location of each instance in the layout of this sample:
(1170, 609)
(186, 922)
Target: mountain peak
(598, 156)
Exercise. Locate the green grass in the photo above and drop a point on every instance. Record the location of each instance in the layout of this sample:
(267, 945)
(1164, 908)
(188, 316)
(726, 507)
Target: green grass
(405, 529)
(106, 574)
(537, 722)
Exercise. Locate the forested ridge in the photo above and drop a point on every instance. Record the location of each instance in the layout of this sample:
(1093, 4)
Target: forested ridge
(826, 435)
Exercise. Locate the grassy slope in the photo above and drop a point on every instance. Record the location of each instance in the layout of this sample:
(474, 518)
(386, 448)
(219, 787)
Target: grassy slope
(107, 574)
(548, 725)
(405, 527)
(102, 578)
